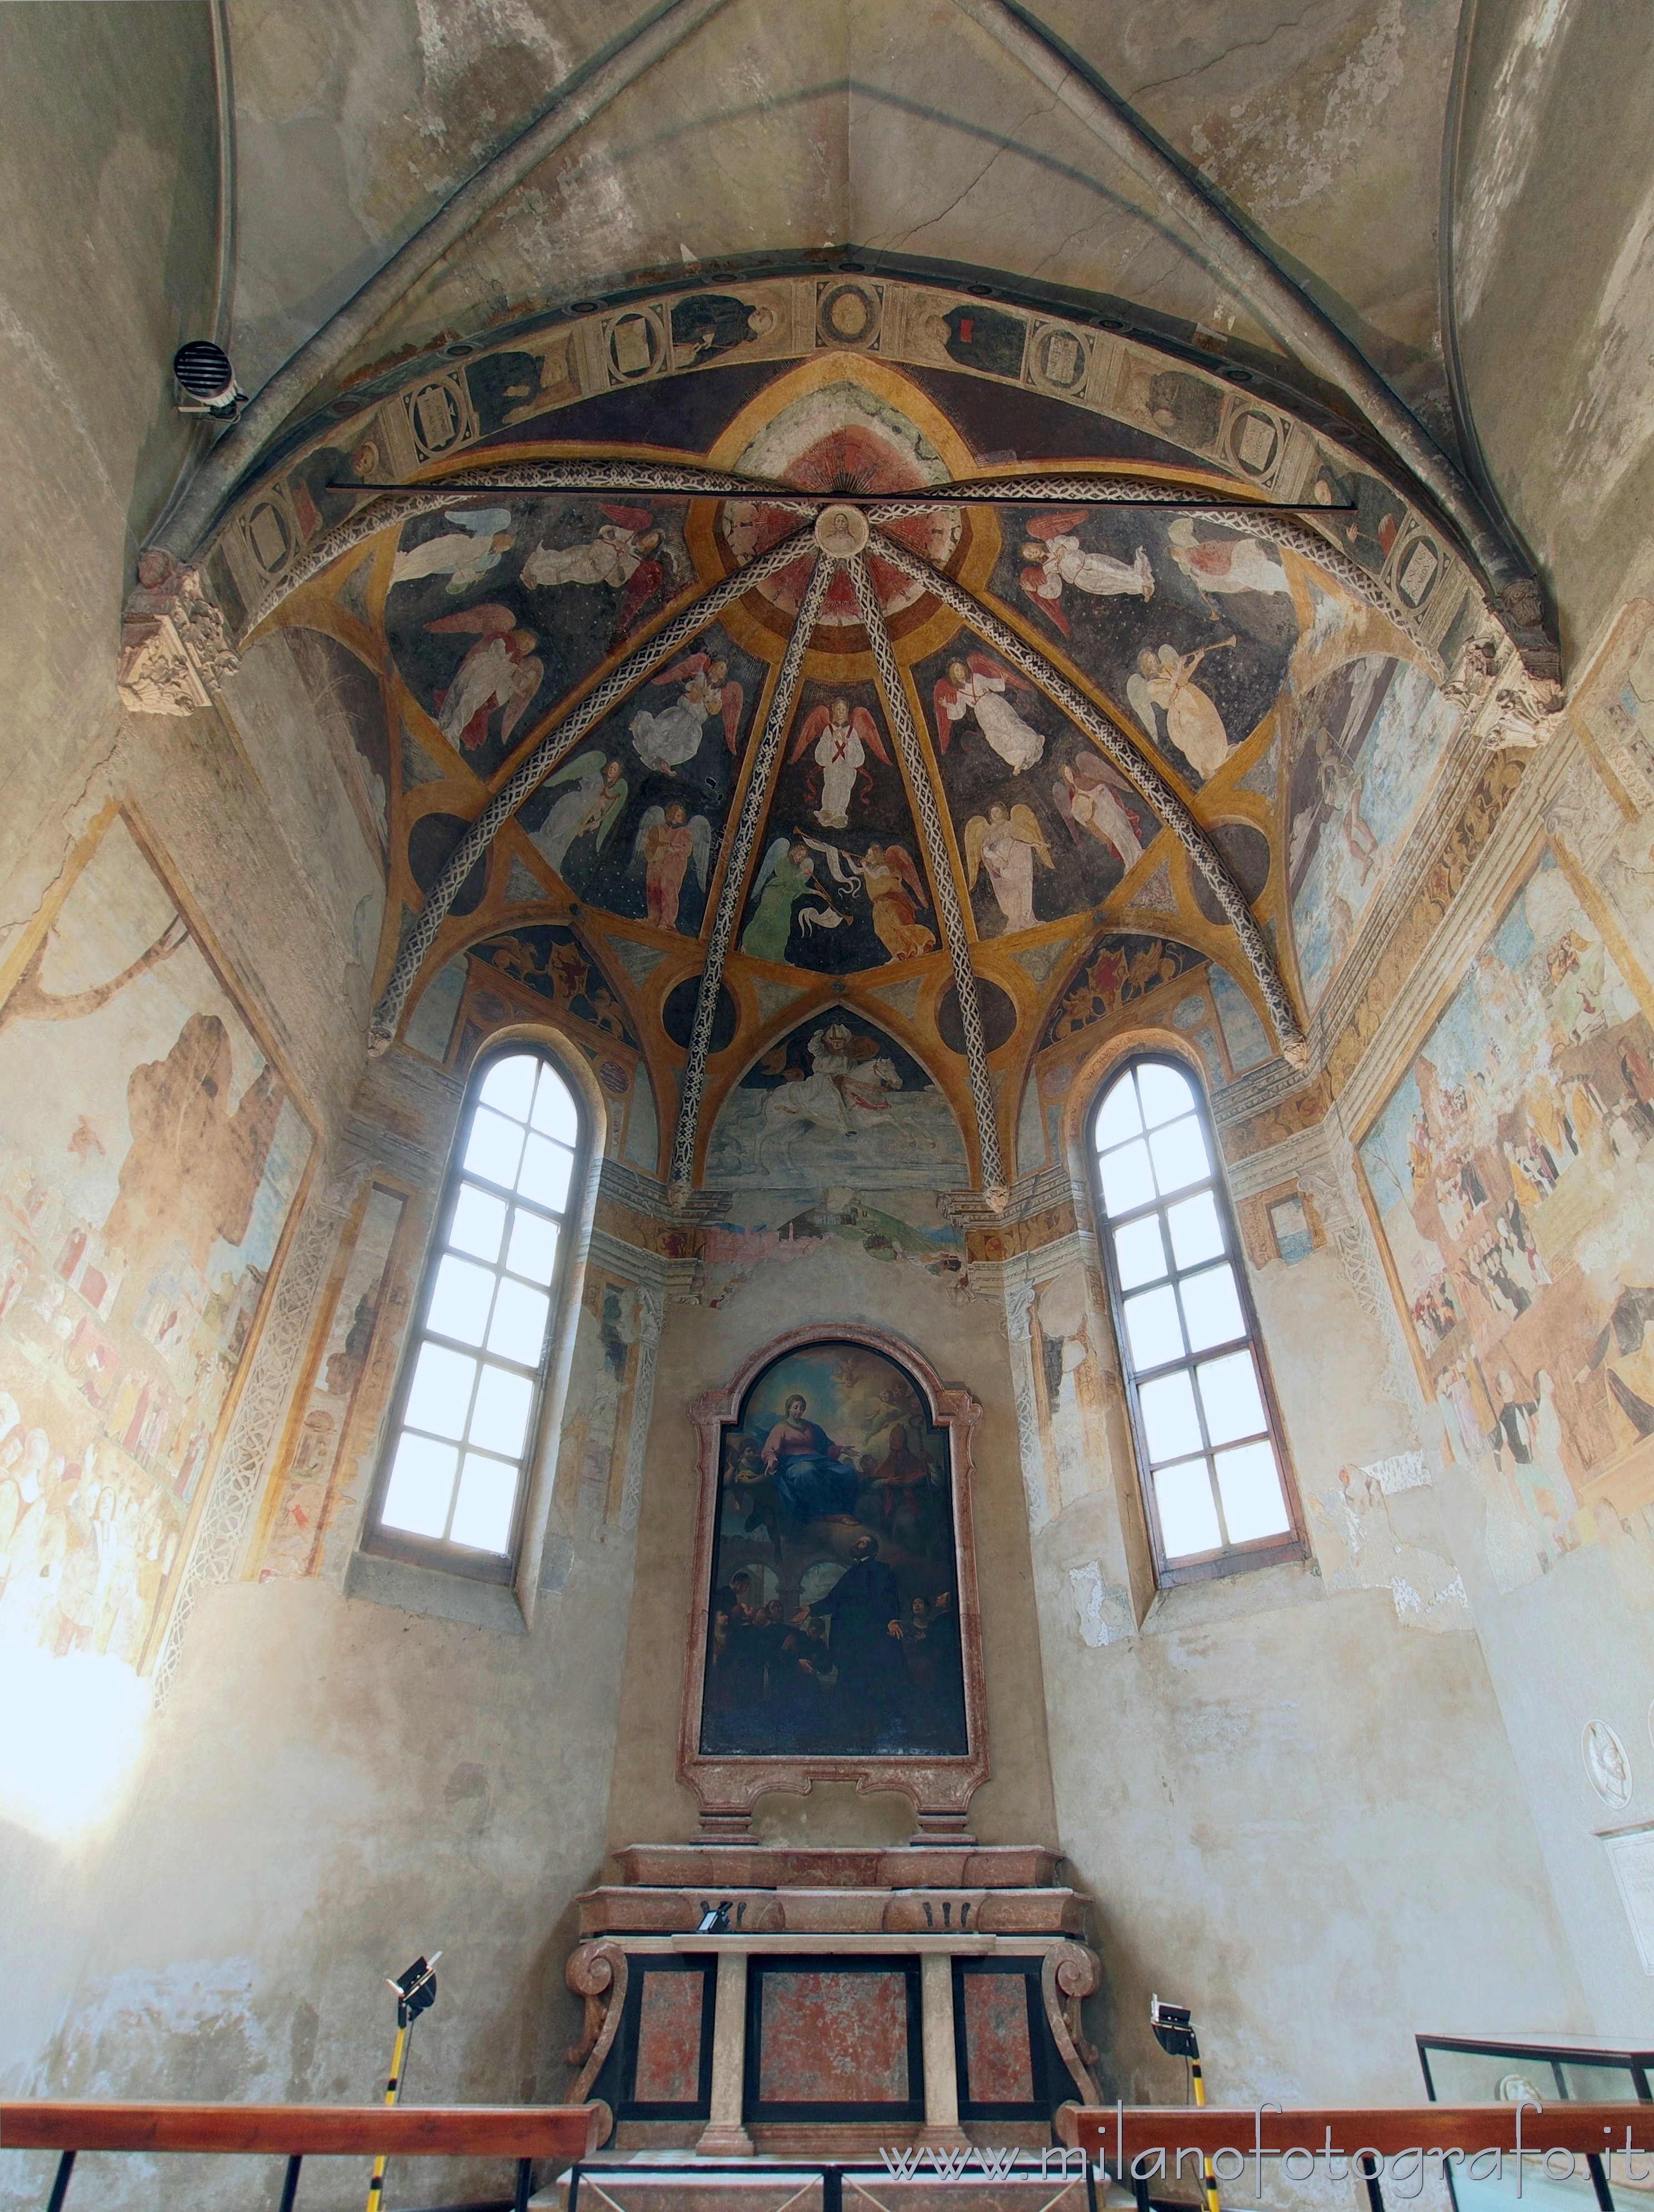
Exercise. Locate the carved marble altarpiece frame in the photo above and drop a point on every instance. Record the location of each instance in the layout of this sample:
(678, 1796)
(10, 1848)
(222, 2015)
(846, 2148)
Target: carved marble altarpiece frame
(728, 1784)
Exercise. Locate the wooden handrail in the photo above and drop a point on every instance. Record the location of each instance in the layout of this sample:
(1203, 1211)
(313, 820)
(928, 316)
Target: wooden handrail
(1110, 2131)
(518, 2132)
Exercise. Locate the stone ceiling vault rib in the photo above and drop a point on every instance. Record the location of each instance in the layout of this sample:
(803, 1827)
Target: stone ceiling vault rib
(735, 874)
(994, 1189)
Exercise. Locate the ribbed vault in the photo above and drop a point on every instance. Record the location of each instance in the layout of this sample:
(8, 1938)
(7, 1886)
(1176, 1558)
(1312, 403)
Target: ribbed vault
(730, 634)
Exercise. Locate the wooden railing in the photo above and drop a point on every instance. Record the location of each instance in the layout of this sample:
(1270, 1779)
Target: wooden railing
(1117, 2134)
(1146, 2147)
(522, 2133)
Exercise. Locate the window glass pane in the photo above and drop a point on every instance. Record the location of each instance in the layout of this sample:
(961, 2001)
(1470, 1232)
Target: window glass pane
(1125, 1179)
(1179, 1155)
(460, 1301)
(1196, 1231)
(499, 1421)
(1248, 1483)
(519, 1329)
(545, 1170)
(455, 1470)
(554, 1109)
(1229, 1395)
(1140, 1252)
(1169, 1418)
(1165, 1093)
(1212, 1308)
(439, 1397)
(1119, 1118)
(494, 1147)
(509, 1084)
(1151, 1326)
(421, 1482)
(478, 1222)
(1189, 1519)
(482, 1512)
(532, 1250)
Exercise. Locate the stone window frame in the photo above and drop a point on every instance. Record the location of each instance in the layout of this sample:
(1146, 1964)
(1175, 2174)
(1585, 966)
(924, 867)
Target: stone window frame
(1228, 1558)
(397, 1545)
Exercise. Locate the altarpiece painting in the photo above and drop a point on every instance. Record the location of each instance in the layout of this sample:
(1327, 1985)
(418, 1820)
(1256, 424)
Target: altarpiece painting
(836, 1626)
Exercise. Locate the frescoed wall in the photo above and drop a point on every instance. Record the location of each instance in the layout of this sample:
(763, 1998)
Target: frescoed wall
(1363, 744)
(152, 1153)
(836, 1101)
(1411, 1748)
(322, 1466)
(1505, 1171)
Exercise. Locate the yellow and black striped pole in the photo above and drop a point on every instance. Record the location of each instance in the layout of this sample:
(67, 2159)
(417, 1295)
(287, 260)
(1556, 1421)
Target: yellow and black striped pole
(1174, 2031)
(415, 1992)
(1199, 2080)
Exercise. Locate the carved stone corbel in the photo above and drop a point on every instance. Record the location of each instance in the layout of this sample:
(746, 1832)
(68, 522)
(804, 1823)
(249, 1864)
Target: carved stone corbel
(596, 1971)
(1507, 706)
(1072, 1972)
(174, 653)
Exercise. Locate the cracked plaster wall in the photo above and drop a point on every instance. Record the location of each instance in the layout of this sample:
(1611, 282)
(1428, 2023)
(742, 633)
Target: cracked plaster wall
(703, 1346)
(1553, 251)
(1248, 1770)
(107, 262)
(903, 128)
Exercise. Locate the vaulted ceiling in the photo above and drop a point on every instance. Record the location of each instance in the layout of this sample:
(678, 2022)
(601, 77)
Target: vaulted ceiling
(558, 331)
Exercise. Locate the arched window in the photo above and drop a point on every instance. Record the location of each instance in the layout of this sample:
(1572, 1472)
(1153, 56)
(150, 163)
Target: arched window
(1218, 1488)
(452, 1483)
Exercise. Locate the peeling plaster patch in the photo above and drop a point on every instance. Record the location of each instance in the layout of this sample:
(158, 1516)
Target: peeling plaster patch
(1413, 1611)
(452, 41)
(1609, 429)
(1104, 1611)
(193, 2023)
(1286, 163)
(1508, 141)
(1402, 1471)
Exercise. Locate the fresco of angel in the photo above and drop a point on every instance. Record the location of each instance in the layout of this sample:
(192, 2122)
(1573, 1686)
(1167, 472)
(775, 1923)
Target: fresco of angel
(623, 556)
(892, 883)
(666, 740)
(594, 804)
(786, 874)
(843, 736)
(1055, 557)
(480, 539)
(977, 685)
(668, 839)
(1165, 680)
(1224, 564)
(499, 671)
(1007, 841)
(1093, 801)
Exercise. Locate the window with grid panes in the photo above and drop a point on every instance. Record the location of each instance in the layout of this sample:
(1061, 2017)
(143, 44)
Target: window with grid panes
(465, 1420)
(1218, 1490)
